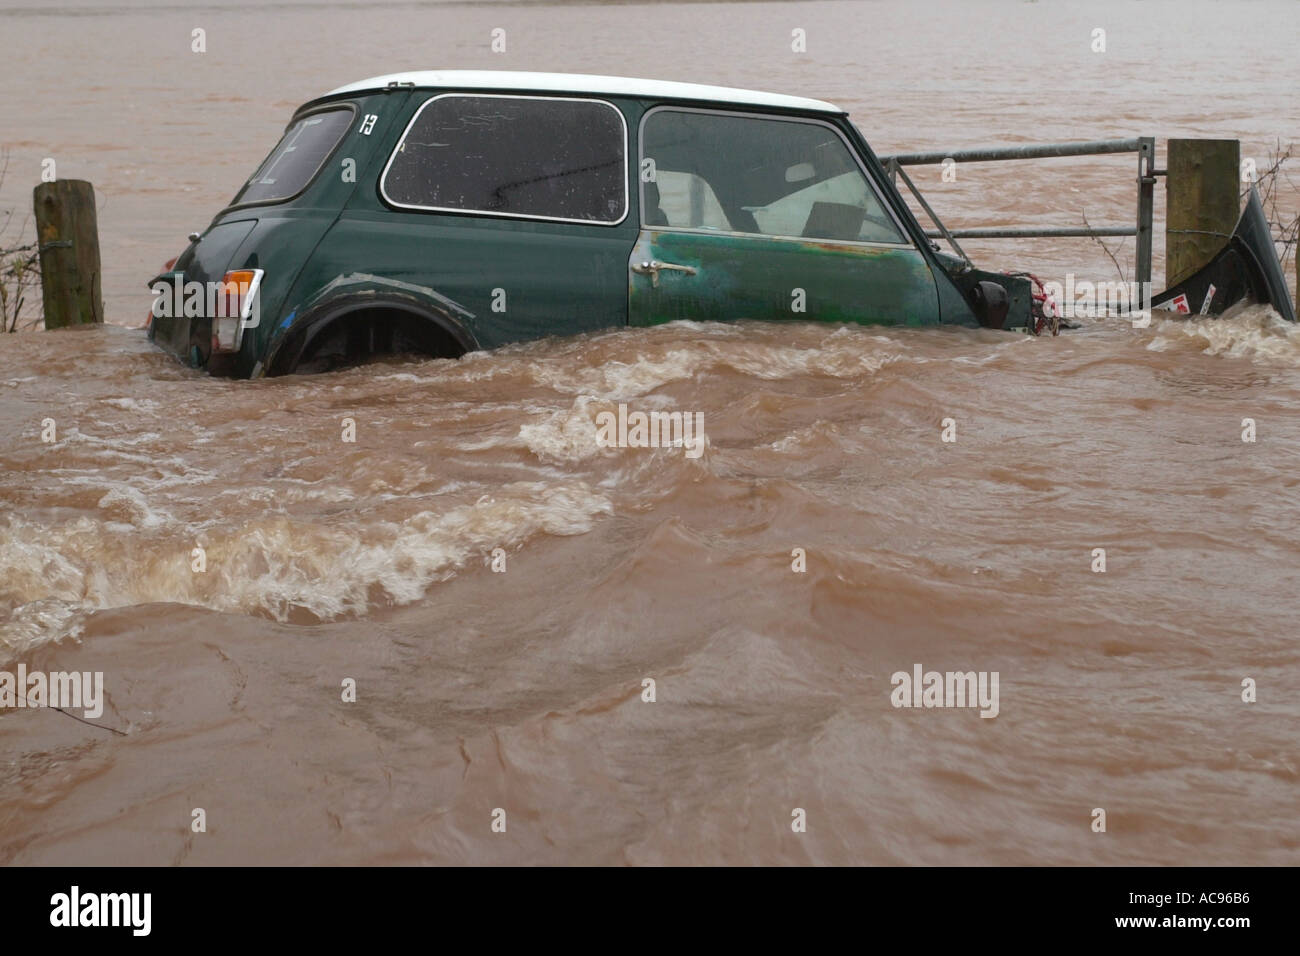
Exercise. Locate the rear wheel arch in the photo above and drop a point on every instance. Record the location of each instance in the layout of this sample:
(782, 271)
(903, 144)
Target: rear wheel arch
(374, 326)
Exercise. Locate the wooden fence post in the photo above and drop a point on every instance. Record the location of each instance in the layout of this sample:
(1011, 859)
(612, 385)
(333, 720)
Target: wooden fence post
(68, 233)
(1202, 192)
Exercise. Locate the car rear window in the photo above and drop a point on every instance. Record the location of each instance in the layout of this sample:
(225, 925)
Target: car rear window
(297, 157)
(531, 157)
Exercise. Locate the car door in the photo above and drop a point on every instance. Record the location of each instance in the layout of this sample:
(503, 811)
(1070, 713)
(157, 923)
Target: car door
(765, 216)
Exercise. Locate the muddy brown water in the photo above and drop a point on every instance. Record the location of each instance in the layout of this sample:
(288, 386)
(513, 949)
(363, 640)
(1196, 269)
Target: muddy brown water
(523, 690)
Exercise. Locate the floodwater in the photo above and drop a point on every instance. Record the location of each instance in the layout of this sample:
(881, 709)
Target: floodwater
(519, 695)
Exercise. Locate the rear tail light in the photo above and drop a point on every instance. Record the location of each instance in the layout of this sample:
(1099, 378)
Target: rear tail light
(236, 309)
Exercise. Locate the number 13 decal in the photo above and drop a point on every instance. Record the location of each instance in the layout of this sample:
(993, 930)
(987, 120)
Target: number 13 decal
(368, 124)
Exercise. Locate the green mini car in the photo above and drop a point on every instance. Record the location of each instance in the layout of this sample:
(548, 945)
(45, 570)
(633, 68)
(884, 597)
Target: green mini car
(440, 212)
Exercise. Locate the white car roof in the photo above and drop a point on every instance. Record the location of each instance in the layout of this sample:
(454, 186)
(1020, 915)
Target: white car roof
(582, 83)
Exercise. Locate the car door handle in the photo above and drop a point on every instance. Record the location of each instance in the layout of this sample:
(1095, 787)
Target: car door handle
(653, 267)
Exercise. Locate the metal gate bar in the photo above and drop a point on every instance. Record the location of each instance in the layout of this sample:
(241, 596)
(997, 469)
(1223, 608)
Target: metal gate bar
(1144, 146)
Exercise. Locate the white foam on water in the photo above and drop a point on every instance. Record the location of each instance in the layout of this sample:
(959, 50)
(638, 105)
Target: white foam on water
(131, 404)
(567, 435)
(841, 355)
(621, 380)
(123, 498)
(571, 435)
(1256, 332)
(274, 565)
(40, 622)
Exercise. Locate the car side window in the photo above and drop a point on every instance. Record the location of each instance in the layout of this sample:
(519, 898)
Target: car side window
(754, 174)
(686, 200)
(524, 157)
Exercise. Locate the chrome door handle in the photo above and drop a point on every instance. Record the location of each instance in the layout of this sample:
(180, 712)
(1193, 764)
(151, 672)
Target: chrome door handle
(653, 267)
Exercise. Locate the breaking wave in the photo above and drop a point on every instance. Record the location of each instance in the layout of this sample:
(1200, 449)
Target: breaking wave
(1256, 332)
(284, 568)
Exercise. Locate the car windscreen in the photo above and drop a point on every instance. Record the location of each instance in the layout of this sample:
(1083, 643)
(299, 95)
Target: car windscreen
(296, 158)
(526, 157)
